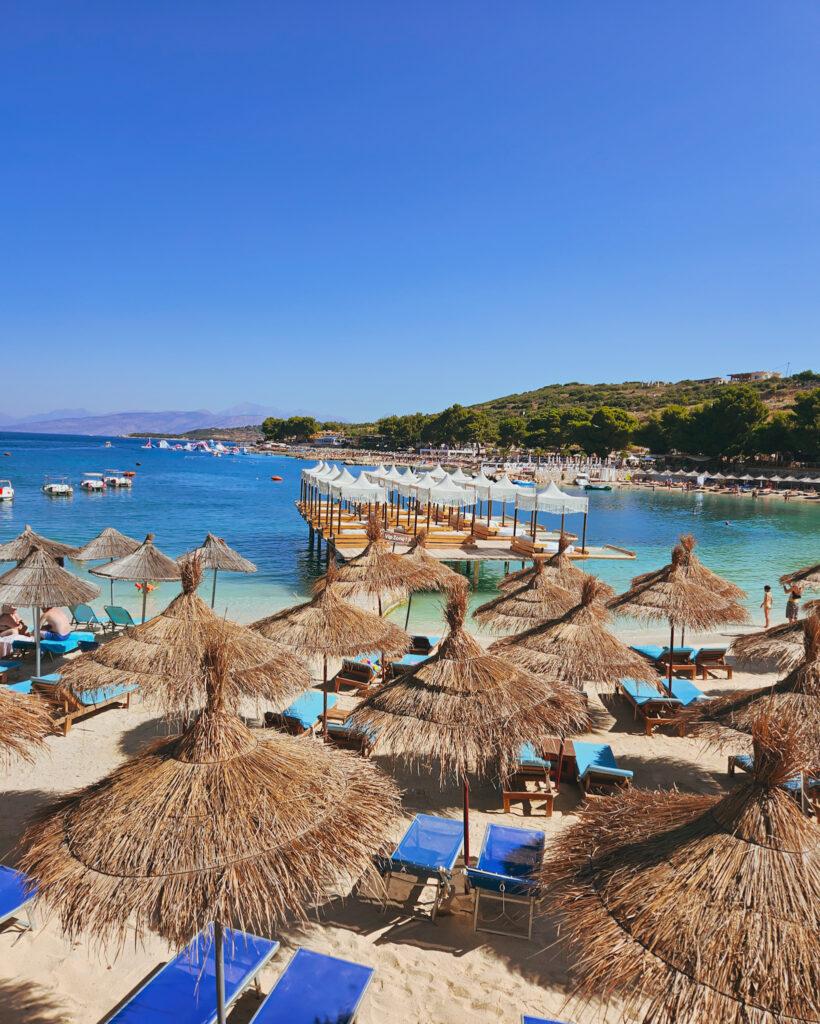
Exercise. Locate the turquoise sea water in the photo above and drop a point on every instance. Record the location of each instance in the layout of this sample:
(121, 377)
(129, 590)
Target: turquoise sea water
(181, 496)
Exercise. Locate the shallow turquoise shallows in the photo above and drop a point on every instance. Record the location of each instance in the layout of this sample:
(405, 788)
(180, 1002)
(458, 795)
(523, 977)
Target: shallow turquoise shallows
(180, 496)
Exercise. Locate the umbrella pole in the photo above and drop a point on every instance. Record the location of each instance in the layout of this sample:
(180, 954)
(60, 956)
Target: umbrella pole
(515, 520)
(213, 591)
(110, 560)
(219, 958)
(407, 617)
(37, 639)
(466, 822)
(584, 536)
(324, 702)
(671, 654)
(144, 597)
(560, 764)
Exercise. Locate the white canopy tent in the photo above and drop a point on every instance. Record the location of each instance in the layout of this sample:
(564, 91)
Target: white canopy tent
(553, 500)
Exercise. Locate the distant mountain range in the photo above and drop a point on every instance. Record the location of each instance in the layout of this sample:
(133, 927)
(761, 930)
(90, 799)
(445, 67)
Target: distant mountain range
(81, 421)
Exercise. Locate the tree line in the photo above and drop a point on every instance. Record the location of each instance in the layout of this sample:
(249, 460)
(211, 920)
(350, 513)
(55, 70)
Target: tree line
(736, 422)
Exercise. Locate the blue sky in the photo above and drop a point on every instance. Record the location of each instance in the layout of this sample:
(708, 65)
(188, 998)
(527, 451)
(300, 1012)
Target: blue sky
(372, 207)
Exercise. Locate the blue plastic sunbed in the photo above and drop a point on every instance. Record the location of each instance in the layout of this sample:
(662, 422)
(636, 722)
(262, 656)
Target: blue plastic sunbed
(54, 648)
(598, 768)
(428, 850)
(746, 764)
(654, 651)
(408, 661)
(686, 692)
(16, 896)
(505, 868)
(25, 685)
(538, 1020)
(7, 666)
(184, 990)
(346, 734)
(306, 711)
(529, 760)
(315, 988)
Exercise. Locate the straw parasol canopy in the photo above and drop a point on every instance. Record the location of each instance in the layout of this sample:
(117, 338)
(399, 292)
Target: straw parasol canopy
(215, 554)
(560, 570)
(528, 606)
(685, 907)
(328, 627)
(380, 573)
(691, 568)
(671, 594)
(109, 544)
(466, 708)
(163, 657)
(443, 578)
(793, 700)
(809, 577)
(24, 722)
(219, 824)
(38, 582)
(782, 644)
(142, 566)
(578, 646)
(16, 550)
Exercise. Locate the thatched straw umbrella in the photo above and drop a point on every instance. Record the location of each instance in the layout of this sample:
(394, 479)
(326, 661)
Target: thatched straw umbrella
(672, 595)
(24, 721)
(696, 908)
(215, 554)
(578, 646)
(467, 709)
(444, 579)
(380, 573)
(22, 546)
(109, 544)
(219, 825)
(163, 657)
(142, 566)
(559, 569)
(530, 605)
(794, 700)
(38, 582)
(809, 577)
(781, 644)
(328, 627)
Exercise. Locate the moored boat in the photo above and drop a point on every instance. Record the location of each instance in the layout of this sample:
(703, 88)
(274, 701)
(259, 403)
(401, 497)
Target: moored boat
(117, 478)
(92, 482)
(57, 486)
(6, 491)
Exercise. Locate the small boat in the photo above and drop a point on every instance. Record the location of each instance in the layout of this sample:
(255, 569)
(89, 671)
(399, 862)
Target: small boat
(597, 487)
(149, 445)
(581, 479)
(117, 478)
(92, 482)
(129, 472)
(107, 444)
(277, 478)
(57, 486)
(6, 491)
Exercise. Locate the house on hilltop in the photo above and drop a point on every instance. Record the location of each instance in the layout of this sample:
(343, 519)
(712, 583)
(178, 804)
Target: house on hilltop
(738, 378)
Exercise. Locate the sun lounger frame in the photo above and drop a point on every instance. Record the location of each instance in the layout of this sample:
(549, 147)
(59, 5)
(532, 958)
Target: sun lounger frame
(440, 876)
(476, 874)
(24, 907)
(252, 979)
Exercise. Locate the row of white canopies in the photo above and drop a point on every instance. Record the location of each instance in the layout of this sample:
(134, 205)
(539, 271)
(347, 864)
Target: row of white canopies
(437, 487)
(746, 478)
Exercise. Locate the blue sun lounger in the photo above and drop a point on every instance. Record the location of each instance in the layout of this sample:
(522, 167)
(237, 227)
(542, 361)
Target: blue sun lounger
(53, 648)
(68, 705)
(16, 896)
(506, 864)
(350, 737)
(525, 1019)
(315, 988)
(745, 762)
(598, 769)
(305, 713)
(427, 852)
(184, 990)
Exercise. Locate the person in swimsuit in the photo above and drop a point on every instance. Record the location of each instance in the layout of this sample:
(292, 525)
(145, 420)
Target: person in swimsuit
(795, 592)
(768, 602)
(54, 624)
(10, 622)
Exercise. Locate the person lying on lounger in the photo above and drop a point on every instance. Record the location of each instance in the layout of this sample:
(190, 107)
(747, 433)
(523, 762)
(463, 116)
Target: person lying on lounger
(54, 624)
(10, 622)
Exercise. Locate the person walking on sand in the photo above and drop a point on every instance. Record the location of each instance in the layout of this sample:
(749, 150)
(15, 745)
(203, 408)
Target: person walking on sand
(768, 602)
(795, 592)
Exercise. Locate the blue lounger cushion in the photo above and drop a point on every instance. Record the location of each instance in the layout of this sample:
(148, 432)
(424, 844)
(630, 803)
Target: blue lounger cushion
(91, 697)
(25, 685)
(184, 990)
(508, 860)
(410, 660)
(54, 646)
(645, 693)
(597, 757)
(651, 651)
(538, 1020)
(315, 988)
(307, 710)
(429, 845)
(527, 758)
(6, 666)
(686, 692)
(16, 893)
(746, 763)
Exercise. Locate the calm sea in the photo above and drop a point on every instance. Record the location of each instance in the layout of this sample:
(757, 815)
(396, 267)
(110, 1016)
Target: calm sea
(180, 496)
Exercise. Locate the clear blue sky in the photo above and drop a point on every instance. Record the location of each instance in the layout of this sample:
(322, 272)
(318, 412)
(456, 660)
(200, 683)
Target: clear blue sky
(364, 207)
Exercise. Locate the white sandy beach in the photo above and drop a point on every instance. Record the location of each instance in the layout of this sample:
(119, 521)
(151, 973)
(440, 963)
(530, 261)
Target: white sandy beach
(426, 973)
